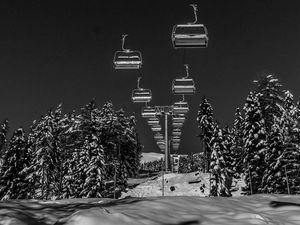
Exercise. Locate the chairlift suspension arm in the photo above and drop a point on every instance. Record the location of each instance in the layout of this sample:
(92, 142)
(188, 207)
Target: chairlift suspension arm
(138, 82)
(187, 70)
(195, 13)
(123, 42)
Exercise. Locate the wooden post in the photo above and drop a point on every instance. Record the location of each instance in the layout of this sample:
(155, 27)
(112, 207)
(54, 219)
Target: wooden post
(251, 191)
(163, 184)
(287, 180)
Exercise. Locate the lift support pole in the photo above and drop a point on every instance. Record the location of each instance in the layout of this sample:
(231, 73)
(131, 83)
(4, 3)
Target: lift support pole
(166, 141)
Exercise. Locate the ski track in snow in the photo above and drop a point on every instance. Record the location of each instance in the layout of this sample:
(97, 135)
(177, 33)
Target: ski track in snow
(188, 208)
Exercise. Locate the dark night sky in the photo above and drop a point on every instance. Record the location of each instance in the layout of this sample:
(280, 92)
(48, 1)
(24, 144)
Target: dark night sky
(62, 51)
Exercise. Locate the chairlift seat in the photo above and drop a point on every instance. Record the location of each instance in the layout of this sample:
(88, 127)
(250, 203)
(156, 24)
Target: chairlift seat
(158, 136)
(183, 86)
(176, 132)
(148, 112)
(180, 118)
(180, 107)
(156, 128)
(153, 121)
(189, 36)
(177, 124)
(141, 95)
(127, 59)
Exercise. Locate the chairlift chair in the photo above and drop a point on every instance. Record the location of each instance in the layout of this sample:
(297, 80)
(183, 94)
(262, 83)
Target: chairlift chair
(156, 128)
(127, 59)
(176, 132)
(158, 136)
(190, 35)
(153, 121)
(180, 118)
(175, 139)
(176, 144)
(160, 142)
(184, 85)
(148, 112)
(177, 124)
(180, 107)
(175, 147)
(141, 95)
(162, 148)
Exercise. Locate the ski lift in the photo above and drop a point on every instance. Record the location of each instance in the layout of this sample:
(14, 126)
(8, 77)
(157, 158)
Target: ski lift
(190, 35)
(175, 147)
(180, 107)
(175, 144)
(185, 85)
(162, 148)
(175, 139)
(148, 112)
(127, 59)
(156, 128)
(160, 142)
(180, 118)
(153, 121)
(177, 124)
(158, 136)
(176, 132)
(141, 95)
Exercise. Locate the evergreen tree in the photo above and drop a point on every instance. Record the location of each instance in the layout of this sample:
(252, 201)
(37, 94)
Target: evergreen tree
(45, 149)
(284, 156)
(205, 121)
(183, 165)
(91, 165)
(270, 98)
(3, 138)
(238, 144)
(12, 181)
(218, 165)
(255, 143)
(71, 180)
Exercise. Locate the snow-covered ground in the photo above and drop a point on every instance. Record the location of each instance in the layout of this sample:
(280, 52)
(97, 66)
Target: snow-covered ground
(151, 156)
(190, 184)
(183, 206)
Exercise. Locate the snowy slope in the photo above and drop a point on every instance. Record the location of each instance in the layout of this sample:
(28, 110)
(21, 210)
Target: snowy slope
(172, 210)
(185, 185)
(186, 205)
(151, 156)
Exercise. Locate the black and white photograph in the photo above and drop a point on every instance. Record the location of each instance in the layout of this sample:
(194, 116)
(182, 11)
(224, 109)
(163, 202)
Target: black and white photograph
(171, 112)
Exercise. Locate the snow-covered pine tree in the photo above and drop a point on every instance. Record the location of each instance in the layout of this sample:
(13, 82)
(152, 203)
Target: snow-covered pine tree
(3, 138)
(183, 165)
(255, 144)
(205, 121)
(71, 180)
(12, 181)
(131, 151)
(45, 149)
(270, 98)
(238, 145)
(273, 179)
(91, 165)
(283, 175)
(221, 174)
(228, 154)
